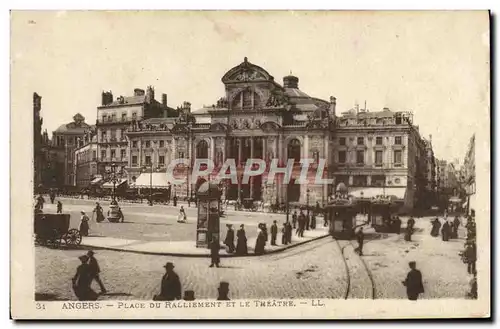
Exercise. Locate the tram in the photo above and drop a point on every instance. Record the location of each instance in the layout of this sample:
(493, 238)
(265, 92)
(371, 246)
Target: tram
(341, 214)
(381, 213)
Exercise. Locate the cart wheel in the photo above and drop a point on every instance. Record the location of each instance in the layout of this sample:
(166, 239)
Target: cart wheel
(73, 237)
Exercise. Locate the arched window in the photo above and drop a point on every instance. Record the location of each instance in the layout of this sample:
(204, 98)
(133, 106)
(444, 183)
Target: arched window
(202, 150)
(294, 150)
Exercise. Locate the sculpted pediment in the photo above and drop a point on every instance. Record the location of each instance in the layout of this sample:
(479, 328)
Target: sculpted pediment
(216, 127)
(270, 126)
(246, 71)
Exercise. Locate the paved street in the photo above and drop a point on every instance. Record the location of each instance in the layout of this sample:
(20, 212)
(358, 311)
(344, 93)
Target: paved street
(156, 223)
(311, 270)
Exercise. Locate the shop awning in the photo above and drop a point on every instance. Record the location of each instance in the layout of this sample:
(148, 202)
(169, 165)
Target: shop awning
(96, 181)
(110, 184)
(155, 180)
(372, 192)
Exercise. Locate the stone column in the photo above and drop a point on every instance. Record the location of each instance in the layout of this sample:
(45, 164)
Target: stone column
(240, 141)
(280, 153)
(305, 152)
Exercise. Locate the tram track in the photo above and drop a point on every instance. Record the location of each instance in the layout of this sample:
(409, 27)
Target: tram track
(353, 288)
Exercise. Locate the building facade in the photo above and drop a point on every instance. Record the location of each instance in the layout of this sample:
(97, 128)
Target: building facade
(255, 118)
(381, 153)
(469, 174)
(65, 140)
(85, 161)
(38, 152)
(115, 116)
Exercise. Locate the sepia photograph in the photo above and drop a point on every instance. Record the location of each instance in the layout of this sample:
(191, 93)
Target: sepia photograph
(250, 164)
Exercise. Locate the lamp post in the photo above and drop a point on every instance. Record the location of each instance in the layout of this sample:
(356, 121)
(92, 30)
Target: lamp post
(287, 207)
(114, 177)
(308, 191)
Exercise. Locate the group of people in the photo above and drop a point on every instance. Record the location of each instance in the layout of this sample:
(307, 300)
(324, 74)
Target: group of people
(171, 288)
(304, 222)
(469, 255)
(87, 272)
(449, 230)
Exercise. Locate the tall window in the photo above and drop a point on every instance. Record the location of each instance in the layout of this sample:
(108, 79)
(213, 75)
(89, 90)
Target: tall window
(398, 120)
(103, 155)
(378, 141)
(134, 144)
(113, 154)
(361, 141)
(294, 150)
(342, 141)
(181, 155)
(378, 158)
(103, 136)
(148, 144)
(94, 155)
(247, 99)
(342, 156)
(202, 150)
(162, 144)
(113, 117)
(134, 159)
(161, 160)
(113, 134)
(148, 159)
(124, 116)
(360, 157)
(122, 154)
(398, 140)
(398, 159)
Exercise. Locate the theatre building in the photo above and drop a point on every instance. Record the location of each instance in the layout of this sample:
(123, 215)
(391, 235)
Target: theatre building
(255, 117)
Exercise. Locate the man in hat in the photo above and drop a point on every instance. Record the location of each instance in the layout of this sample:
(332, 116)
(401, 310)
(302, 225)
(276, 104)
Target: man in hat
(229, 241)
(95, 270)
(360, 236)
(170, 284)
(274, 233)
(82, 280)
(214, 252)
(413, 282)
(223, 291)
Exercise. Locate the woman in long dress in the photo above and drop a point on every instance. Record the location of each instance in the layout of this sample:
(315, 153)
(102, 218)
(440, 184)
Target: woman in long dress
(84, 225)
(241, 245)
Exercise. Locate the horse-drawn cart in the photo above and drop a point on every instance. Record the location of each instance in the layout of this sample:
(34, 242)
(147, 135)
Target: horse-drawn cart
(53, 230)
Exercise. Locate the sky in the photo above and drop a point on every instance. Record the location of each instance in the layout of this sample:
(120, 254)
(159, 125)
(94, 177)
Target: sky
(435, 64)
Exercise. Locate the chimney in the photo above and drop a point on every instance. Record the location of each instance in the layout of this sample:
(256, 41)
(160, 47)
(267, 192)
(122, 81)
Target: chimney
(107, 98)
(291, 81)
(138, 92)
(333, 105)
(150, 94)
(164, 99)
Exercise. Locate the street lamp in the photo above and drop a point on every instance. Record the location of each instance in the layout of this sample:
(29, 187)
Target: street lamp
(150, 166)
(114, 177)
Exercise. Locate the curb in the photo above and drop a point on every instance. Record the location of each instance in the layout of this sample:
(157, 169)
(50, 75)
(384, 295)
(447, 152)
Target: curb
(85, 247)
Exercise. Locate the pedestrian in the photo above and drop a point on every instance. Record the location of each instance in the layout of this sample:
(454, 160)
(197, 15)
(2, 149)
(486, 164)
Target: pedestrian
(308, 220)
(294, 219)
(261, 241)
(436, 225)
(223, 291)
(40, 202)
(189, 202)
(473, 286)
(59, 207)
(229, 240)
(445, 231)
(284, 236)
(289, 232)
(397, 225)
(360, 237)
(413, 282)
(84, 224)
(82, 280)
(189, 295)
(182, 218)
(470, 256)
(52, 196)
(241, 243)
(120, 215)
(313, 221)
(274, 233)
(214, 252)
(175, 200)
(95, 270)
(317, 209)
(456, 225)
(170, 284)
(169, 192)
(302, 224)
(99, 213)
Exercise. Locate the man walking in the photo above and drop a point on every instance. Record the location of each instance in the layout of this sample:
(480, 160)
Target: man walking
(95, 270)
(274, 233)
(82, 280)
(170, 285)
(413, 282)
(294, 219)
(214, 252)
(59, 207)
(360, 236)
(302, 224)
